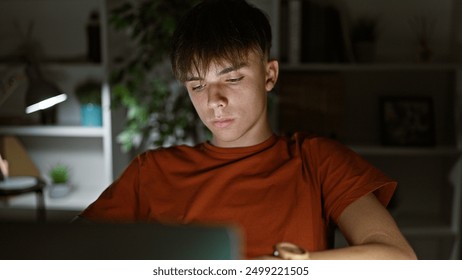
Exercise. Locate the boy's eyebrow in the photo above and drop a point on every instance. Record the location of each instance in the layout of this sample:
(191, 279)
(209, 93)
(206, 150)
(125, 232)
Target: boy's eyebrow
(219, 73)
(231, 68)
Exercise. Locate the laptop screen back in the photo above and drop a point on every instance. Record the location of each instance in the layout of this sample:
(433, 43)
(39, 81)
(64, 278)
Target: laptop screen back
(117, 241)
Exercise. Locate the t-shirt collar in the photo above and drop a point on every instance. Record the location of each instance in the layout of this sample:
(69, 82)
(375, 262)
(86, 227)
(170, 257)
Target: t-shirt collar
(239, 151)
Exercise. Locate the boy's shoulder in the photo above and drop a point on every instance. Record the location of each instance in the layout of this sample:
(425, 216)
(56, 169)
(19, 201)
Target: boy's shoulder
(314, 143)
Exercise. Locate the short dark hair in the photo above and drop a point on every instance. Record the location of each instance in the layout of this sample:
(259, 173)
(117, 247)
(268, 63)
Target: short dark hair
(218, 30)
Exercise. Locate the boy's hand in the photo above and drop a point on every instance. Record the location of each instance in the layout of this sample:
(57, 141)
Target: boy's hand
(287, 251)
(290, 251)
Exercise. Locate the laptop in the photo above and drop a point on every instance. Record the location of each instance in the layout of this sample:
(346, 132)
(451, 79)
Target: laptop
(28, 241)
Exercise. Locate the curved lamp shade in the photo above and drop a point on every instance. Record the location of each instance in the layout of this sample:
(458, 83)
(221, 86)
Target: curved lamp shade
(41, 94)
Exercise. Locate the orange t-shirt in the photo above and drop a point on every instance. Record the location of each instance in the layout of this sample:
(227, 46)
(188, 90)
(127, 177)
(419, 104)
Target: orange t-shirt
(284, 189)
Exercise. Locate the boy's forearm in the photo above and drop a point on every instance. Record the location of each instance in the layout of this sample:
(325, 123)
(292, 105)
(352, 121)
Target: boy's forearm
(373, 251)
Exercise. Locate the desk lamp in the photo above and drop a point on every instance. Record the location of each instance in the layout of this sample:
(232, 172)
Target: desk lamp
(41, 95)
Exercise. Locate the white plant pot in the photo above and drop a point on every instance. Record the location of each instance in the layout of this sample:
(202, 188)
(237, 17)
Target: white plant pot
(59, 190)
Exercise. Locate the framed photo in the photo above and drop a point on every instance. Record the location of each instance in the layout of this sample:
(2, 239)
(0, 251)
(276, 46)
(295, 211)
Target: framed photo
(407, 121)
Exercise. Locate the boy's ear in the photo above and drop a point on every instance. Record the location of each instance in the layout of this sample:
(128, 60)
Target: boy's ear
(272, 72)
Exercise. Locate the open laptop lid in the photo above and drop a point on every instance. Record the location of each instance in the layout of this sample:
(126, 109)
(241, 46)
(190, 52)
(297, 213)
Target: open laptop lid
(117, 242)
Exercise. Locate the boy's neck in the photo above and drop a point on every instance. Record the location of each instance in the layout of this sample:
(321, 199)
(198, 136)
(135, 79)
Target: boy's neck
(248, 140)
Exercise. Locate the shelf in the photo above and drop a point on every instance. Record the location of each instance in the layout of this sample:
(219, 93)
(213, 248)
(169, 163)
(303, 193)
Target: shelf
(55, 131)
(406, 151)
(77, 200)
(58, 66)
(370, 67)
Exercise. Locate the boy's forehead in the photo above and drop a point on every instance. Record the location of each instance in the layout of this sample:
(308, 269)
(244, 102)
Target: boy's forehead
(220, 66)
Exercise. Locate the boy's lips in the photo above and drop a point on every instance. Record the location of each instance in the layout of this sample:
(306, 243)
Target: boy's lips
(222, 123)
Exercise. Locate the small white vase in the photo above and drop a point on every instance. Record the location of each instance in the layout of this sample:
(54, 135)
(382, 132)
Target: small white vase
(59, 190)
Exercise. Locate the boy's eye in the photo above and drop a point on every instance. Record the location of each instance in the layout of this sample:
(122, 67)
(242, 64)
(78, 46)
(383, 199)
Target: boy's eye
(235, 80)
(198, 87)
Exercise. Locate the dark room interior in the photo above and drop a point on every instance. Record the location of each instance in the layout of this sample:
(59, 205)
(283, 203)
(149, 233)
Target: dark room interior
(383, 77)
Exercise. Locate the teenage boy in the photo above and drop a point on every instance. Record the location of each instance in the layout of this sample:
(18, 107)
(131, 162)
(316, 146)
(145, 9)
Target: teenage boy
(283, 192)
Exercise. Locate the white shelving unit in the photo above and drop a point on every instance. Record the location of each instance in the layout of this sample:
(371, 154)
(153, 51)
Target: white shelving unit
(53, 131)
(59, 27)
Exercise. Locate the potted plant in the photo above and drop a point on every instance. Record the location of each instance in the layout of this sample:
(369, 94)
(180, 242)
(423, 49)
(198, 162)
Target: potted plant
(60, 186)
(158, 112)
(89, 95)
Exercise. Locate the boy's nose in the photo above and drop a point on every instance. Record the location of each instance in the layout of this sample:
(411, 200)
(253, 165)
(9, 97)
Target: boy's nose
(216, 98)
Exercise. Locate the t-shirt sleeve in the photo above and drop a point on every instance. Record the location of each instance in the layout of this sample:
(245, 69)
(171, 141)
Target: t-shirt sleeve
(120, 201)
(345, 176)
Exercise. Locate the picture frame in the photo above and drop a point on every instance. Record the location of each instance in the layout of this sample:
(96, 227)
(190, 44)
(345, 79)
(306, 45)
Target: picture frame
(407, 121)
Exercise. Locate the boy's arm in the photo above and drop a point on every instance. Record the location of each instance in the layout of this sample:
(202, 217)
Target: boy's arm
(371, 232)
